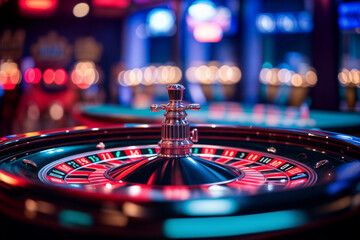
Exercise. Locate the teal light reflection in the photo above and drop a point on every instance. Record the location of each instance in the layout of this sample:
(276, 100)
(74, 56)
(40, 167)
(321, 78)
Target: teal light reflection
(233, 225)
(209, 207)
(71, 218)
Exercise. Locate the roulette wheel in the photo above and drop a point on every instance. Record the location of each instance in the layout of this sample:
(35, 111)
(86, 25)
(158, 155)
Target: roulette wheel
(201, 181)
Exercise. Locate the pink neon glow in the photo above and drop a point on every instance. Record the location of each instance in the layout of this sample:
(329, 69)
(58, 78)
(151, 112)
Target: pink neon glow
(38, 5)
(49, 76)
(32, 75)
(60, 77)
(111, 3)
(208, 32)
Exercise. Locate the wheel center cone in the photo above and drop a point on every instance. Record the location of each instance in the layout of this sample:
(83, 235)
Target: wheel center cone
(163, 171)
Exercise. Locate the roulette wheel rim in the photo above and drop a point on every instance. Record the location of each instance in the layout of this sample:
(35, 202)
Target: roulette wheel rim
(321, 189)
(280, 204)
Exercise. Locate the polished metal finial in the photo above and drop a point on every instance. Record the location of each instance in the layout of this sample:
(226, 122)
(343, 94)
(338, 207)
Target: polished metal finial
(174, 165)
(176, 137)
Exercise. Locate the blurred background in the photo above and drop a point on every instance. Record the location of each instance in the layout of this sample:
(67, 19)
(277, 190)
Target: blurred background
(66, 63)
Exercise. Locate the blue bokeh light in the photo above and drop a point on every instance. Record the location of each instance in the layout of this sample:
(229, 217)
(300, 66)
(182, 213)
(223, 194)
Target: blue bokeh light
(1, 91)
(349, 17)
(202, 10)
(348, 8)
(265, 23)
(161, 22)
(305, 22)
(286, 23)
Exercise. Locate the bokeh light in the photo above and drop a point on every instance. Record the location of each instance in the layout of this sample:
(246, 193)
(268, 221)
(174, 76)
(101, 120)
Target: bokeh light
(213, 73)
(307, 77)
(84, 74)
(161, 22)
(311, 78)
(150, 75)
(33, 112)
(208, 32)
(305, 21)
(81, 10)
(60, 77)
(349, 15)
(296, 80)
(284, 76)
(49, 76)
(56, 111)
(111, 3)
(38, 5)
(202, 10)
(287, 23)
(284, 22)
(207, 21)
(10, 75)
(32, 75)
(223, 18)
(265, 23)
(349, 78)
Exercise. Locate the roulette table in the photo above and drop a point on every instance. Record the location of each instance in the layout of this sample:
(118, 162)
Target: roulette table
(262, 115)
(179, 181)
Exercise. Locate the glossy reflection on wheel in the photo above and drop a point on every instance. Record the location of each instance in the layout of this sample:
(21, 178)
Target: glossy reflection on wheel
(174, 171)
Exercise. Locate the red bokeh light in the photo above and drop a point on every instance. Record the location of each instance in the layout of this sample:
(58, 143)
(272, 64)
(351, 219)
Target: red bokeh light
(111, 3)
(32, 75)
(49, 76)
(60, 77)
(7, 85)
(38, 6)
(79, 80)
